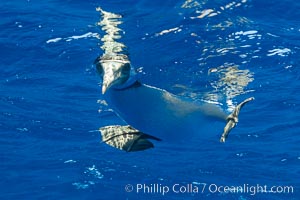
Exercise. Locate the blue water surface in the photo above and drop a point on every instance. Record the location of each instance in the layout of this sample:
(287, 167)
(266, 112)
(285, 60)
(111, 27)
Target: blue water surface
(51, 105)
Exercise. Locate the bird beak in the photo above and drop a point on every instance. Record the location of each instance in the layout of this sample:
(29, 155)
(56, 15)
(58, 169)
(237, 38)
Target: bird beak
(104, 88)
(109, 78)
(106, 85)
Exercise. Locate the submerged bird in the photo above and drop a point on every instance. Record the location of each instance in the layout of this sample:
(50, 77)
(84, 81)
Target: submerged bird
(151, 113)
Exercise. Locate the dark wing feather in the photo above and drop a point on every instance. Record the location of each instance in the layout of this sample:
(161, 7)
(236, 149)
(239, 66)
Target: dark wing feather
(126, 138)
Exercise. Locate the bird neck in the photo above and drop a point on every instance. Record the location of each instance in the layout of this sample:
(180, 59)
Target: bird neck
(131, 81)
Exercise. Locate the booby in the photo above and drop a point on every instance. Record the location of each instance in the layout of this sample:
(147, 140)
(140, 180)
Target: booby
(150, 112)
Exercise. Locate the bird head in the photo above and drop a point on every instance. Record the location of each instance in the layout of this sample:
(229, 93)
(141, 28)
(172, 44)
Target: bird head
(114, 72)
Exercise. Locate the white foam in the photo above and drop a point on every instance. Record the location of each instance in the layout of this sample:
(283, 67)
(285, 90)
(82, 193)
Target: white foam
(70, 161)
(22, 129)
(53, 40)
(86, 35)
(245, 46)
(272, 35)
(93, 171)
(81, 185)
(213, 12)
(204, 13)
(251, 32)
(74, 37)
(280, 52)
(175, 30)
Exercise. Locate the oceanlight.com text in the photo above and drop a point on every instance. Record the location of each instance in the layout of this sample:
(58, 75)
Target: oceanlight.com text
(201, 188)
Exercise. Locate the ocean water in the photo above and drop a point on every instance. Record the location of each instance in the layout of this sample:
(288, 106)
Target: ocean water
(221, 51)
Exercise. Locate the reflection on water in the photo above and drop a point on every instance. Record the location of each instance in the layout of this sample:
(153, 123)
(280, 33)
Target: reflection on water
(202, 11)
(220, 41)
(231, 81)
(109, 25)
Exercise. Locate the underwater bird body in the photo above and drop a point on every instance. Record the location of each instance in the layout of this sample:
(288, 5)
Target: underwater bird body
(150, 113)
